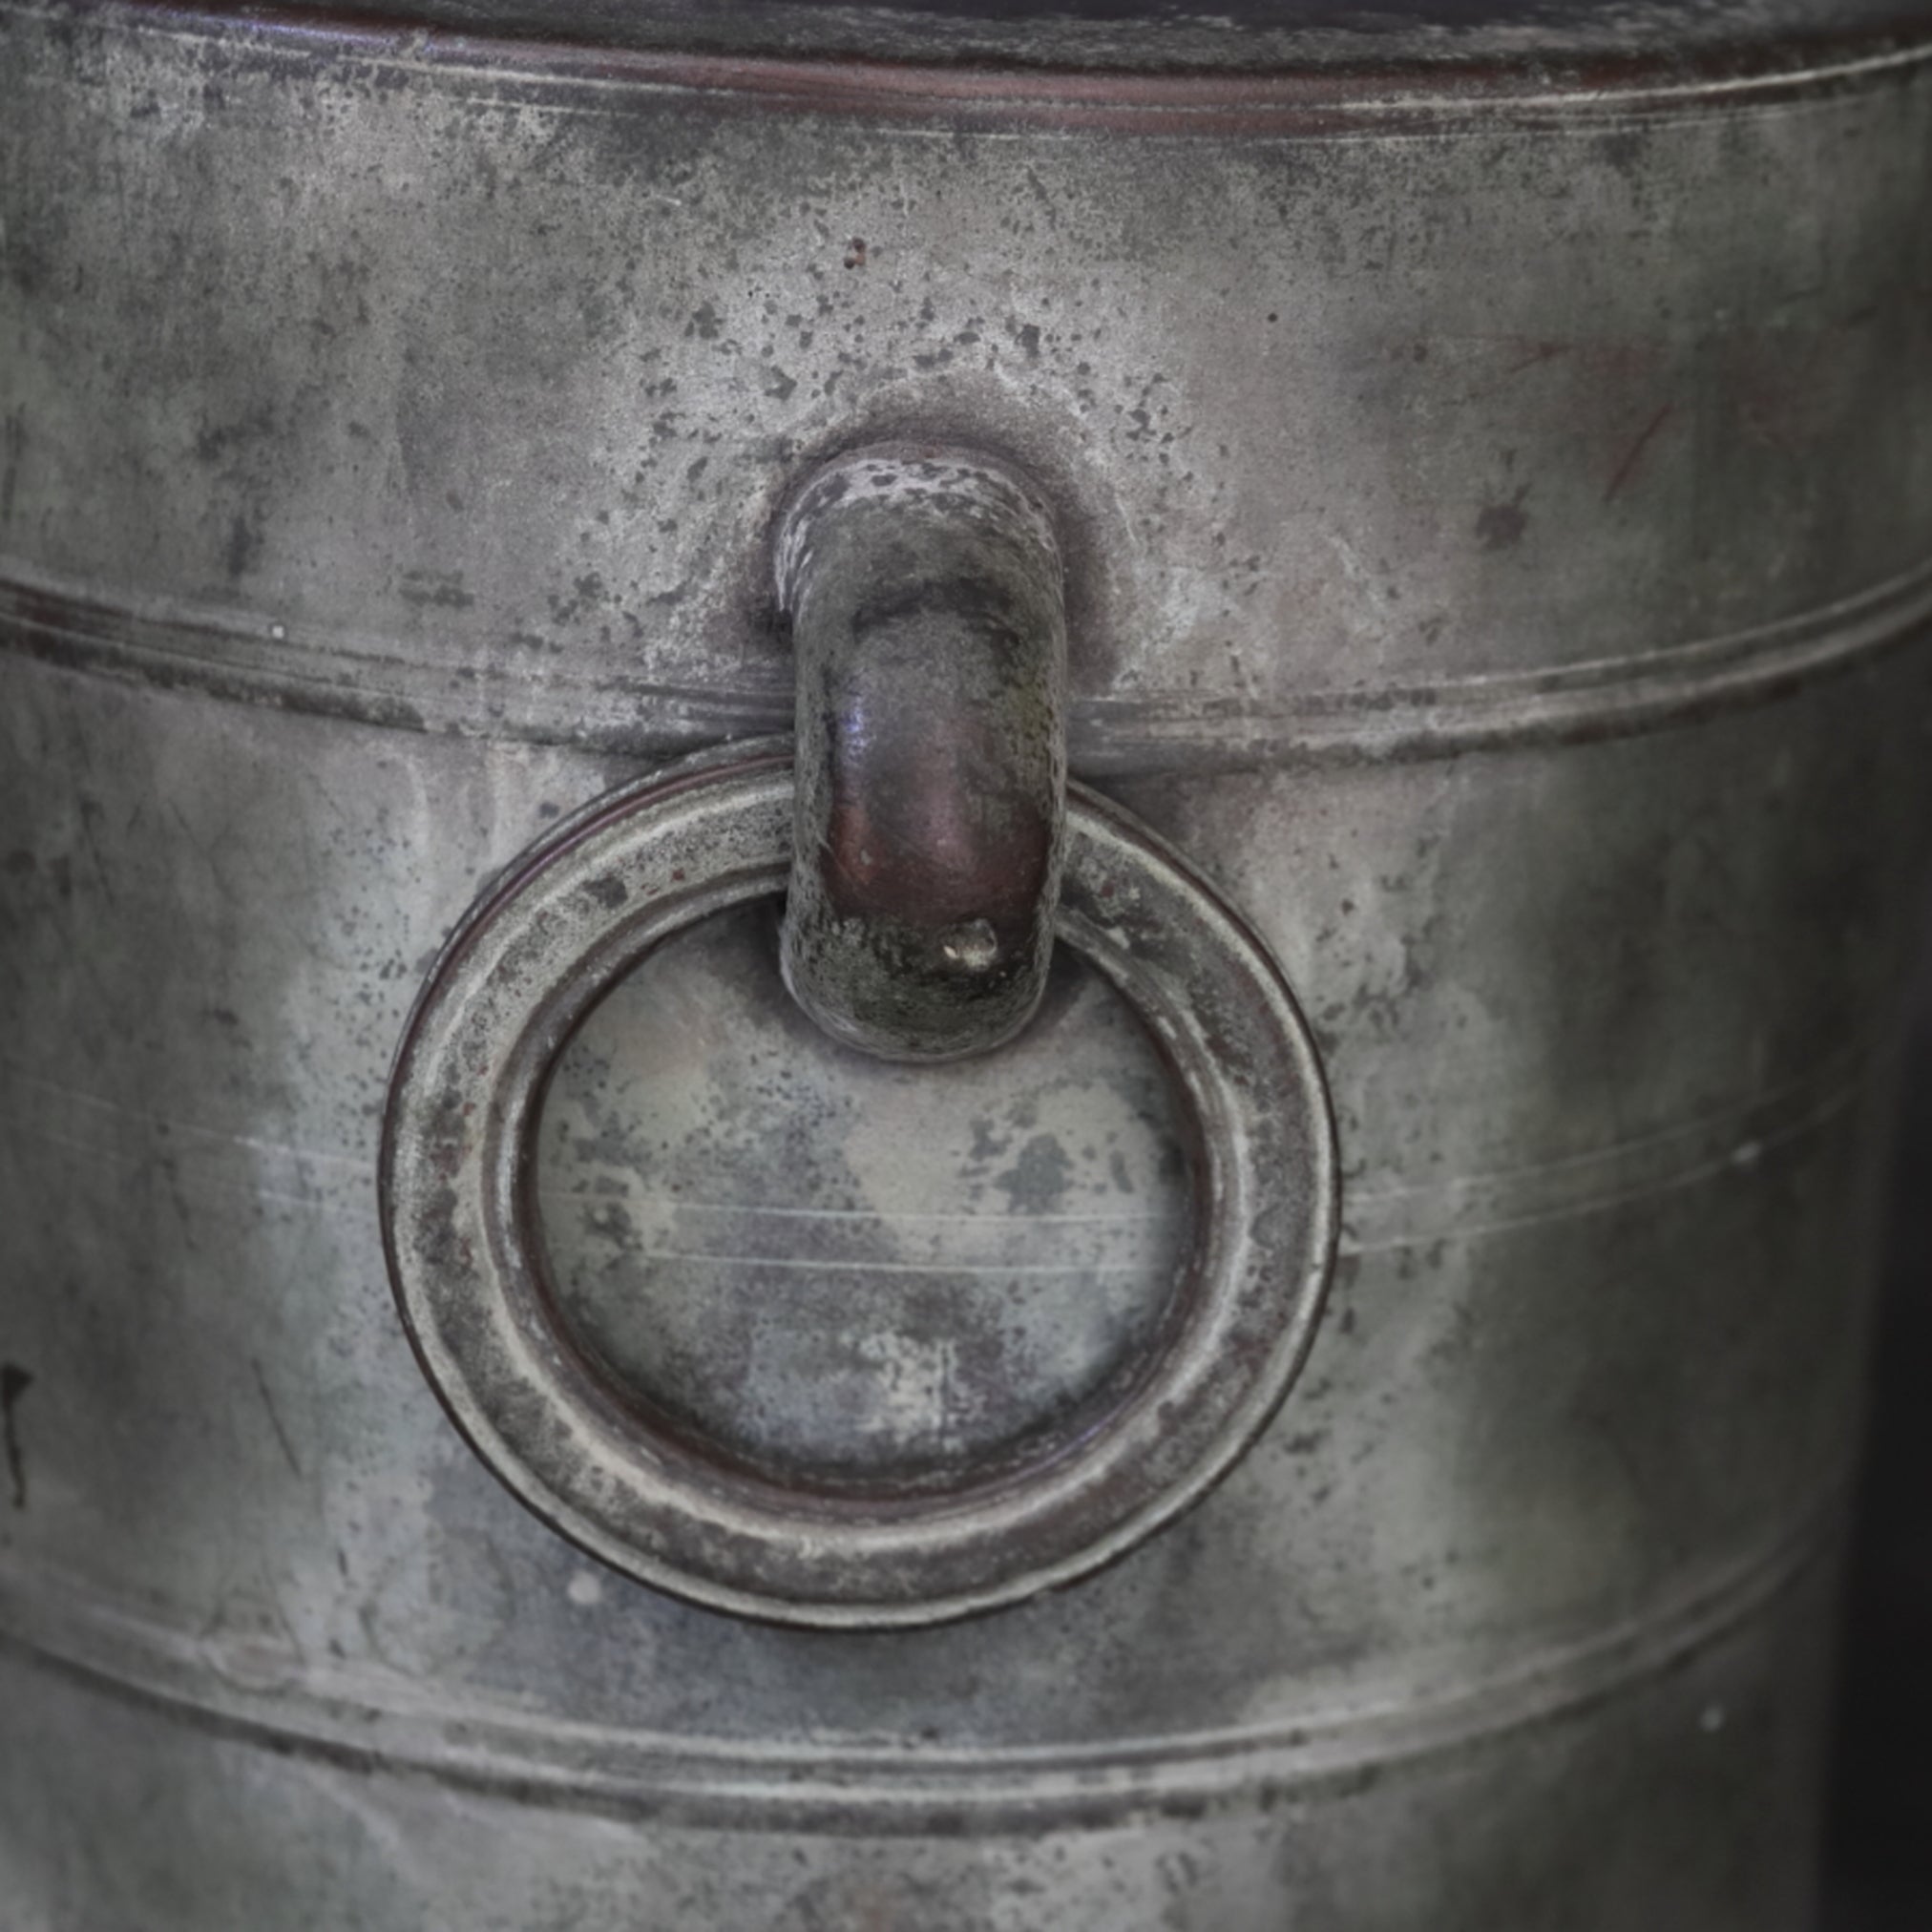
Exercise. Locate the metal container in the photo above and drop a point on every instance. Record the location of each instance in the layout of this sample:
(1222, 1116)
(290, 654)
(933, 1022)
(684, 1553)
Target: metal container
(1322, 1398)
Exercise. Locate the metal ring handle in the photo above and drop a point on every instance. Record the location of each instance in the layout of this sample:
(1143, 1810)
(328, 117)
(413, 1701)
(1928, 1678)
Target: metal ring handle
(580, 910)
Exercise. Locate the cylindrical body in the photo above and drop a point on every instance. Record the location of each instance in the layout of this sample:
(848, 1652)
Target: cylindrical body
(1492, 469)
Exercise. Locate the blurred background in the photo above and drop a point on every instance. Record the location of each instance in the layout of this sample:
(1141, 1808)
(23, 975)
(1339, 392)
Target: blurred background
(1878, 1843)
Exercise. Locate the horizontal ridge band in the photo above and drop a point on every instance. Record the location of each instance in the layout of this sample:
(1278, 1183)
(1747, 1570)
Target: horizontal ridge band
(295, 668)
(1299, 98)
(350, 1717)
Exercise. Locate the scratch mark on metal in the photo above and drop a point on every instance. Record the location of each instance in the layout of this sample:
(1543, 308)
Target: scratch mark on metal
(168, 1124)
(1634, 455)
(811, 1265)
(868, 1216)
(274, 1417)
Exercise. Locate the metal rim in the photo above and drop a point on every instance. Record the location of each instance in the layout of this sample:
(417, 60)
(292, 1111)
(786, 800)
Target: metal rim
(586, 904)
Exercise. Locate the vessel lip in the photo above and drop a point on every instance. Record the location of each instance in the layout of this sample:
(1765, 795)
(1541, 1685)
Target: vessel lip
(1442, 76)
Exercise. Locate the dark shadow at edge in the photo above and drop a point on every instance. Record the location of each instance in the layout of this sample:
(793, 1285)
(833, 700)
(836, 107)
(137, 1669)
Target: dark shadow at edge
(1877, 1854)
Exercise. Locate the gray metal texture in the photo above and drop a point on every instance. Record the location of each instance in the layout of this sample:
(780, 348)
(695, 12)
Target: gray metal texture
(921, 589)
(1497, 511)
(746, 1517)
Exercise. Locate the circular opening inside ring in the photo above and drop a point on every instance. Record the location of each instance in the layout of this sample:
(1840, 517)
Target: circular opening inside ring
(844, 1275)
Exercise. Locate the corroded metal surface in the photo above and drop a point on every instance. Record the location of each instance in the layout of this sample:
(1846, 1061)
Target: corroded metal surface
(1320, 490)
(1496, 526)
(722, 1518)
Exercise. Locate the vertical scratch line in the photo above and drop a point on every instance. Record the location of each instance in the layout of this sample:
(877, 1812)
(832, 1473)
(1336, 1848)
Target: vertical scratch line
(14, 1382)
(274, 1419)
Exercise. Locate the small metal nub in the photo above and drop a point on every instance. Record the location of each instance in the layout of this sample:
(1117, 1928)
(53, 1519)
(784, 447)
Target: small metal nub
(923, 588)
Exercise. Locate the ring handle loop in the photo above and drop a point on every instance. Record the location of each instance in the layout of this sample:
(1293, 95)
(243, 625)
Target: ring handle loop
(586, 905)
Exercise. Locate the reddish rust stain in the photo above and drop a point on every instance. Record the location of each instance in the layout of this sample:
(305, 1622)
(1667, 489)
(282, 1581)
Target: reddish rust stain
(1634, 455)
